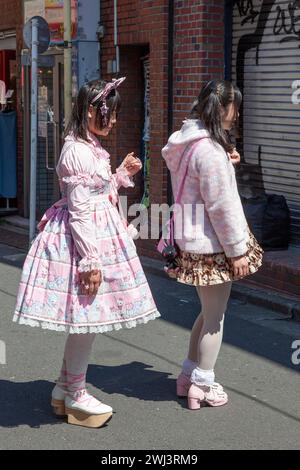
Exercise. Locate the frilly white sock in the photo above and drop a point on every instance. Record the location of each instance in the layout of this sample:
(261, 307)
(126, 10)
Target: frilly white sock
(202, 377)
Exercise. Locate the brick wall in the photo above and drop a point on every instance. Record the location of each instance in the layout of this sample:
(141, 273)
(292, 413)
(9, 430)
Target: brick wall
(11, 11)
(143, 25)
(198, 50)
(198, 55)
(12, 18)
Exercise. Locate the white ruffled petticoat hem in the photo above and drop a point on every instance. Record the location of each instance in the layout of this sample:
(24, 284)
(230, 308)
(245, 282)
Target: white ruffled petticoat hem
(21, 320)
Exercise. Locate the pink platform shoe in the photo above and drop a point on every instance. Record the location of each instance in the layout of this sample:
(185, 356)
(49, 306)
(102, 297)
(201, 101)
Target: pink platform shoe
(213, 395)
(183, 384)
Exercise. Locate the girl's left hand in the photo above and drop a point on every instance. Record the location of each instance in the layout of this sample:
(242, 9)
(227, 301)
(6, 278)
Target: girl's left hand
(171, 271)
(132, 164)
(235, 157)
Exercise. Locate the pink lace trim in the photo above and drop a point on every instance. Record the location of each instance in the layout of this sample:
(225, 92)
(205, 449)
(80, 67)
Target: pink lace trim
(83, 179)
(97, 179)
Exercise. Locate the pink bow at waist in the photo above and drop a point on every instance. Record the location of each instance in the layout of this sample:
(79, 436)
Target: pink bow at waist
(50, 213)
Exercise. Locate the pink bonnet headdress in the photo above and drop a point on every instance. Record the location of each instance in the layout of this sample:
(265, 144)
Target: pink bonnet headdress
(104, 93)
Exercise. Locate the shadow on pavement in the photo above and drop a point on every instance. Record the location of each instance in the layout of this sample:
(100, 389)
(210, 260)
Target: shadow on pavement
(268, 336)
(26, 403)
(135, 379)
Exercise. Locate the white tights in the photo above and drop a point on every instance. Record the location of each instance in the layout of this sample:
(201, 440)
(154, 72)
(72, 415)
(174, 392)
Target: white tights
(207, 333)
(75, 363)
(205, 343)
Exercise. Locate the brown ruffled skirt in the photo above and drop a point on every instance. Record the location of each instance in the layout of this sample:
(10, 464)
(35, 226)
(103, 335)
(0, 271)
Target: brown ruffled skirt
(208, 270)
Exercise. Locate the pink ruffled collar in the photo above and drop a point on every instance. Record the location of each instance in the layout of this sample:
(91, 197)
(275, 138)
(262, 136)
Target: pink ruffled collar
(93, 143)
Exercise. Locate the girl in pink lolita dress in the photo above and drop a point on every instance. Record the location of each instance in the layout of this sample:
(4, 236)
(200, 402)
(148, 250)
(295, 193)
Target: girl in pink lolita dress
(82, 274)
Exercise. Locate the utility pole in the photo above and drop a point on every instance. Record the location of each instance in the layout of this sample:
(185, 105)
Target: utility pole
(67, 60)
(36, 36)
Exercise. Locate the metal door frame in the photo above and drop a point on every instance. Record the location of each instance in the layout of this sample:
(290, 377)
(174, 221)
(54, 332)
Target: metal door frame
(57, 102)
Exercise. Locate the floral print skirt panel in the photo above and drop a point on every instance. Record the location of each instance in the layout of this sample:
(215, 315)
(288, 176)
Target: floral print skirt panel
(208, 270)
(49, 294)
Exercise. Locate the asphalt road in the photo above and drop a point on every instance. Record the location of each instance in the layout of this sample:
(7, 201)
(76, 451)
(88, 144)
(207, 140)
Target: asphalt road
(135, 372)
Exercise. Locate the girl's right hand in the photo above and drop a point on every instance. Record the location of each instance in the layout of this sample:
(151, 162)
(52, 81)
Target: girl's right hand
(90, 282)
(235, 157)
(240, 266)
(132, 164)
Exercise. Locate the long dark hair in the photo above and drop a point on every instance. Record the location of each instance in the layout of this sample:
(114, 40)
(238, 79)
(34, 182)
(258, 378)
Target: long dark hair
(78, 125)
(214, 96)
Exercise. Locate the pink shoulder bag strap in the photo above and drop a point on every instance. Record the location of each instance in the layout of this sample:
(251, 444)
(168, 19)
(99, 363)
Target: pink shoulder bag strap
(171, 231)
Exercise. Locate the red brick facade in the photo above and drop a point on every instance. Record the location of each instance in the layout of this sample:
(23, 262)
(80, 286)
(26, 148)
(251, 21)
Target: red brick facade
(178, 64)
(198, 50)
(185, 41)
(11, 18)
(11, 14)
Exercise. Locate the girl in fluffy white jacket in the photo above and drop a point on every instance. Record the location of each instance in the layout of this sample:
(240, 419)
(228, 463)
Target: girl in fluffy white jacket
(218, 247)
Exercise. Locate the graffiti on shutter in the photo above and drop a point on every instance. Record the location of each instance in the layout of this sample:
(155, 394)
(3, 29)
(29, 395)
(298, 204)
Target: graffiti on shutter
(266, 67)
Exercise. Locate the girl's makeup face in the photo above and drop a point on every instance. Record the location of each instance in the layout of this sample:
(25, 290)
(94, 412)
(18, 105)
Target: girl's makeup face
(229, 117)
(92, 123)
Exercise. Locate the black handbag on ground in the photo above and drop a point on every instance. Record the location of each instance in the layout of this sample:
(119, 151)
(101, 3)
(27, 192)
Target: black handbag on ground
(268, 217)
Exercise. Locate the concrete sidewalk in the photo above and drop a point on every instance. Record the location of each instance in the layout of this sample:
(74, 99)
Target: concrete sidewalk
(135, 371)
(247, 291)
(283, 270)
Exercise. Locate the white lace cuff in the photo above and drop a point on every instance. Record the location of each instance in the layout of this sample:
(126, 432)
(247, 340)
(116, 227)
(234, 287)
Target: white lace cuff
(89, 263)
(123, 178)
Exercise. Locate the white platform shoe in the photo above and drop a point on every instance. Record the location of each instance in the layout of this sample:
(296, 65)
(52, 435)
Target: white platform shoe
(58, 401)
(86, 410)
(82, 409)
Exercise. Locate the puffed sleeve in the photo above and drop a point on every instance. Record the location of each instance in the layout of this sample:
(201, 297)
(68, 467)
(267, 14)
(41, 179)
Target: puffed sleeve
(76, 168)
(217, 181)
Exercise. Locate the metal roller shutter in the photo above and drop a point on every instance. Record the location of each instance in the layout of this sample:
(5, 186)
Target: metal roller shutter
(265, 63)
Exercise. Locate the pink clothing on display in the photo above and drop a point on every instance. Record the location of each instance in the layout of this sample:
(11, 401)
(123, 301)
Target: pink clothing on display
(2, 92)
(81, 232)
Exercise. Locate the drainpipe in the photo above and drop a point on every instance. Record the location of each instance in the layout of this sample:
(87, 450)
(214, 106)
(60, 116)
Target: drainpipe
(67, 61)
(170, 87)
(117, 68)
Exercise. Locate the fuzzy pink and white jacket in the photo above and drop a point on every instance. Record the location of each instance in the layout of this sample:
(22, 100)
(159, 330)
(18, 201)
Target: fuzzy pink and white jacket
(210, 187)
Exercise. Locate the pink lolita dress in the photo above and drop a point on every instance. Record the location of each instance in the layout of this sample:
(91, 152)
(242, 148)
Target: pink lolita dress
(84, 231)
